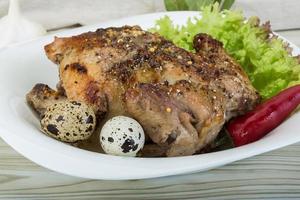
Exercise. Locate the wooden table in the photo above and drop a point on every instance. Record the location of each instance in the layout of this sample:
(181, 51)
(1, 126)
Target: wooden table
(268, 176)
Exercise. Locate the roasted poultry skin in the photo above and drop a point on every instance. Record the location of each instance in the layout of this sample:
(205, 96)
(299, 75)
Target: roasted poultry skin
(181, 99)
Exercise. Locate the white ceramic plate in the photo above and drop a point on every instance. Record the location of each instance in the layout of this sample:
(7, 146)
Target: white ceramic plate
(24, 65)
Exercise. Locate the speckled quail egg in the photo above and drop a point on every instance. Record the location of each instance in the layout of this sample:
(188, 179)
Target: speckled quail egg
(69, 121)
(122, 136)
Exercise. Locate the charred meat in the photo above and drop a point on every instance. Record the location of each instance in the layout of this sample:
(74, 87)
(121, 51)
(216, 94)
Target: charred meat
(181, 99)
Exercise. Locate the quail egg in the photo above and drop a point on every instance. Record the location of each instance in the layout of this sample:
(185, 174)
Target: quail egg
(122, 136)
(69, 121)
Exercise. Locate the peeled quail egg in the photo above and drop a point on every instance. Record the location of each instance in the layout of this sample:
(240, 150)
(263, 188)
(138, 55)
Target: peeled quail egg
(69, 121)
(122, 136)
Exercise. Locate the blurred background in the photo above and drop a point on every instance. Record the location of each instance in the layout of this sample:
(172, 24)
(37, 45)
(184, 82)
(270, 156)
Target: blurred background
(284, 14)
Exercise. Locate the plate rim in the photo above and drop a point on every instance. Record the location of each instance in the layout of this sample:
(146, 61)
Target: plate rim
(9, 134)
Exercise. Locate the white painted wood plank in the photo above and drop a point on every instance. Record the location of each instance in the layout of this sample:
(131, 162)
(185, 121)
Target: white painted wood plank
(271, 175)
(293, 36)
(283, 14)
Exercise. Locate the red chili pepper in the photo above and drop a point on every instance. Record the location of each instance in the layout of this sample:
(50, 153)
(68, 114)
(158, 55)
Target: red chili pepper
(264, 118)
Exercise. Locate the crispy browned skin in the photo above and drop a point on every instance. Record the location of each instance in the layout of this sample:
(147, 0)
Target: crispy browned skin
(228, 76)
(41, 96)
(181, 99)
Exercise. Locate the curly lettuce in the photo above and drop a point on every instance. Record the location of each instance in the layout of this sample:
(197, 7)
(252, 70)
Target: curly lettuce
(264, 57)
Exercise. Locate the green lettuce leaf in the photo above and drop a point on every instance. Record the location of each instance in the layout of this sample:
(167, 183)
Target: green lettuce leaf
(172, 5)
(264, 57)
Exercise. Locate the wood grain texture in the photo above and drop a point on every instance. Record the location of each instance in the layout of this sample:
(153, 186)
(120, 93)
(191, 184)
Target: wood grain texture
(273, 175)
(292, 35)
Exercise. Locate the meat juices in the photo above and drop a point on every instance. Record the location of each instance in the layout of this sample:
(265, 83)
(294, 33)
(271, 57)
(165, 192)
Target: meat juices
(181, 99)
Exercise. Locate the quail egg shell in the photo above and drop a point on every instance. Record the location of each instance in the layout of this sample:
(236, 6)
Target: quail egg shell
(69, 121)
(122, 136)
